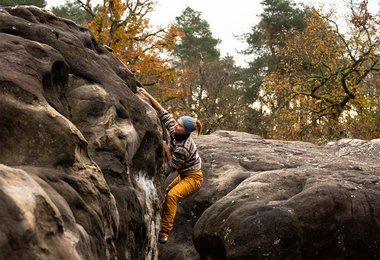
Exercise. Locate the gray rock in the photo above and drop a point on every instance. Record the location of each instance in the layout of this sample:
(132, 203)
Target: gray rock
(270, 199)
(81, 153)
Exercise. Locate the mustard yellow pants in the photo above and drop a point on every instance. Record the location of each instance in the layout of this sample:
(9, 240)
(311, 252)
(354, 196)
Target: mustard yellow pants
(181, 187)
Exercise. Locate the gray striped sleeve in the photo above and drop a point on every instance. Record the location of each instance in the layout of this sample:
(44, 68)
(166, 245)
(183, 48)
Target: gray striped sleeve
(167, 120)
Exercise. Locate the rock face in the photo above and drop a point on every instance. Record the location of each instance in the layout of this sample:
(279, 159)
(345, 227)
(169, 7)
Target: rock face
(81, 153)
(268, 199)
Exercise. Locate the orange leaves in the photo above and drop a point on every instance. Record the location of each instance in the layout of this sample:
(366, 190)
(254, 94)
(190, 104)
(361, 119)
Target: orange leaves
(171, 38)
(317, 47)
(320, 88)
(124, 26)
(362, 16)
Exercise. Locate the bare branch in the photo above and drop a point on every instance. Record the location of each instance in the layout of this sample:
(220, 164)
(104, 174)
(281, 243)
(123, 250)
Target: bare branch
(87, 7)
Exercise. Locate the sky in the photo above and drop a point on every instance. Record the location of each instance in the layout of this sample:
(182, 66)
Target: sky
(228, 18)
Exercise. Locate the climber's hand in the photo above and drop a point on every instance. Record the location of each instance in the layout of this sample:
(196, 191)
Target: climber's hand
(143, 91)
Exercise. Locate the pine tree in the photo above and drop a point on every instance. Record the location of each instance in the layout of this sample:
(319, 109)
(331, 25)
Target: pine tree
(72, 10)
(198, 39)
(264, 41)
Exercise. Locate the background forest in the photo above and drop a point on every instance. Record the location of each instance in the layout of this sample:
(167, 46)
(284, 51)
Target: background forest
(308, 78)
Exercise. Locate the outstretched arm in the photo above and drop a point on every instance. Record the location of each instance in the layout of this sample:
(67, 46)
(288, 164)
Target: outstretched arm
(165, 118)
(152, 100)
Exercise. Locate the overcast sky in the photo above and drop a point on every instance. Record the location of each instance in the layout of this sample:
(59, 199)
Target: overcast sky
(228, 17)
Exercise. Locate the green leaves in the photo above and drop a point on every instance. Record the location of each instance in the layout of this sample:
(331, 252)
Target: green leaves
(72, 11)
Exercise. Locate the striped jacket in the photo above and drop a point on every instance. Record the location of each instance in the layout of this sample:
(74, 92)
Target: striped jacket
(185, 154)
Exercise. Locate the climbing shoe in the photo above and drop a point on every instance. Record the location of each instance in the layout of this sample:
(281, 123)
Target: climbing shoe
(162, 238)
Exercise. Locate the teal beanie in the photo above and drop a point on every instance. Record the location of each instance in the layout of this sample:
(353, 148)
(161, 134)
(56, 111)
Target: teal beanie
(189, 124)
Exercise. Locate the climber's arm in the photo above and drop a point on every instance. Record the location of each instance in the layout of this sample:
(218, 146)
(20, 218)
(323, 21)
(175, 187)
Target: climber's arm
(167, 151)
(152, 100)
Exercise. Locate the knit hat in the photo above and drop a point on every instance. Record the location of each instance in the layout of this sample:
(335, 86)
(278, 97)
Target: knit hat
(189, 124)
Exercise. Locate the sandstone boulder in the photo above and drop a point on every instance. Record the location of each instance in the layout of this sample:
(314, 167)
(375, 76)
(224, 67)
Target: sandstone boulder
(270, 199)
(81, 153)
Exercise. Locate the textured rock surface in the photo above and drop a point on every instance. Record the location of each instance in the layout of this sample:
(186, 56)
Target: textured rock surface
(268, 199)
(80, 152)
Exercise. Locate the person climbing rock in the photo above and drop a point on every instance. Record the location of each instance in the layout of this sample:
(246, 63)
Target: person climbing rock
(183, 157)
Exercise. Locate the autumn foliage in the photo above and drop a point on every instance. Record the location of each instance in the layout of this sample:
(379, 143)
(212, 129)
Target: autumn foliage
(315, 84)
(125, 27)
(324, 88)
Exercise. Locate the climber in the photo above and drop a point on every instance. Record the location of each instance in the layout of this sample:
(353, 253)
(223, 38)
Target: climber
(183, 157)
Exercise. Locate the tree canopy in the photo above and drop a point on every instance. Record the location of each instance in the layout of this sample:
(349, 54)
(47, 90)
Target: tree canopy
(210, 84)
(327, 80)
(306, 80)
(73, 11)
(125, 27)
(264, 42)
(198, 39)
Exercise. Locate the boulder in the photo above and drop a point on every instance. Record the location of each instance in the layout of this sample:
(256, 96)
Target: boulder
(81, 153)
(272, 199)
